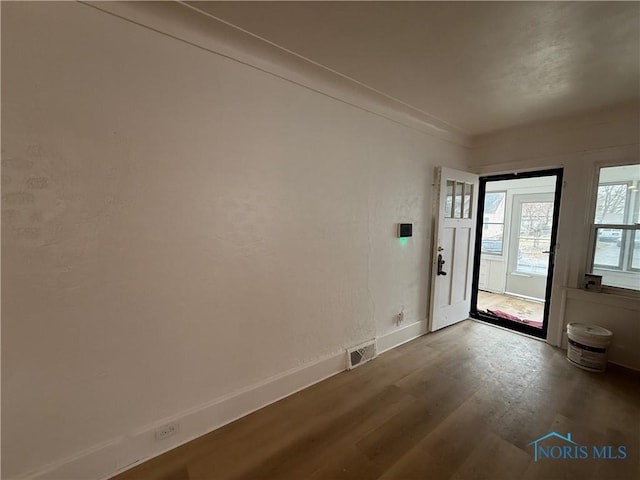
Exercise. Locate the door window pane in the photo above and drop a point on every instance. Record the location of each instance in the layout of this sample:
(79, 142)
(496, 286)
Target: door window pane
(468, 196)
(458, 197)
(448, 203)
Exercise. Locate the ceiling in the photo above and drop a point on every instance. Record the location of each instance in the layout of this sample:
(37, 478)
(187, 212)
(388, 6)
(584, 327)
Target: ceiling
(479, 66)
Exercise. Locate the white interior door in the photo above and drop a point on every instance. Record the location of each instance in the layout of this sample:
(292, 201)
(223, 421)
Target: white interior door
(452, 265)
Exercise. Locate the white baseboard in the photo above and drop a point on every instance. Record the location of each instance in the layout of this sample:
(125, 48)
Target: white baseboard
(120, 454)
(628, 367)
(398, 337)
(117, 455)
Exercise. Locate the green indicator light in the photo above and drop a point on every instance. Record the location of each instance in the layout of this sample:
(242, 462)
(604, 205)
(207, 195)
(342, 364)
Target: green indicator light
(403, 240)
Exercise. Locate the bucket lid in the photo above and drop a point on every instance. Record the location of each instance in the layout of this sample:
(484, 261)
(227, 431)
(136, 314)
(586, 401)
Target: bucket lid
(589, 330)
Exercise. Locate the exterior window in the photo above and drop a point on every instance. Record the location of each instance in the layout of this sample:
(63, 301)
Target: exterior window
(616, 237)
(493, 223)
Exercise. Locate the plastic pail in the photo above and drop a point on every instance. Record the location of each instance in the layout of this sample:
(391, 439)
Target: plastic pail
(587, 347)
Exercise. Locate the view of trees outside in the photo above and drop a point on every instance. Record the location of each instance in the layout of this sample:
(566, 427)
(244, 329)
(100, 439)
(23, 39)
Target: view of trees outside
(611, 203)
(617, 250)
(534, 240)
(611, 208)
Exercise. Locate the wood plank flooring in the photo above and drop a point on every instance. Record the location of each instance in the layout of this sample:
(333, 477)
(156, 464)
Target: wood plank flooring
(462, 403)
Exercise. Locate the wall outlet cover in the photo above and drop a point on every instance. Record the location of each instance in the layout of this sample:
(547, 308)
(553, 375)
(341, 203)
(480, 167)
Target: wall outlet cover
(167, 431)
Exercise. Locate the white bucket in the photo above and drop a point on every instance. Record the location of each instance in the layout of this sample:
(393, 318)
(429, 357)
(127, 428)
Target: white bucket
(587, 347)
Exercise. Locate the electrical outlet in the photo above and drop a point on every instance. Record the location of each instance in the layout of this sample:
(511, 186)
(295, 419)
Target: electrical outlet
(400, 317)
(167, 430)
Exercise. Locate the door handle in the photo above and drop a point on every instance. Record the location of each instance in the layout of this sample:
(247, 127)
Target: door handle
(440, 264)
(547, 251)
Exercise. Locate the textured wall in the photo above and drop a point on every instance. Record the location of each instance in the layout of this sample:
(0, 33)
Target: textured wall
(177, 226)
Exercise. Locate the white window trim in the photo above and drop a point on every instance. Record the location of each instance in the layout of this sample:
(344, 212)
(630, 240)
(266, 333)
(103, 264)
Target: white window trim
(591, 212)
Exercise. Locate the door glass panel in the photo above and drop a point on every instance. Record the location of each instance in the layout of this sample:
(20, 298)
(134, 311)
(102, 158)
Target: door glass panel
(534, 238)
(448, 203)
(468, 195)
(458, 198)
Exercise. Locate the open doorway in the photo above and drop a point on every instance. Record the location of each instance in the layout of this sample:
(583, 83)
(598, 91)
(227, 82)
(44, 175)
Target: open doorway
(515, 248)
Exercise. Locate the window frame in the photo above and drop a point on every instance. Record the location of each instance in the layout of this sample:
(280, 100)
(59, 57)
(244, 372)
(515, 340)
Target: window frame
(503, 223)
(632, 227)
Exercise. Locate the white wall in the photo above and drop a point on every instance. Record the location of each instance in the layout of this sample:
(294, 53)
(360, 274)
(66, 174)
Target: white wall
(184, 237)
(580, 145)
(619, 314)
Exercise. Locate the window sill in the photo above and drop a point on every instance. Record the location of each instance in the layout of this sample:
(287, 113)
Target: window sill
(621, 292)
(528, 275)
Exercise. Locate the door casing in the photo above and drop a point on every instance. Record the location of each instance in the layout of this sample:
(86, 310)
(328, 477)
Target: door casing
(520, 327)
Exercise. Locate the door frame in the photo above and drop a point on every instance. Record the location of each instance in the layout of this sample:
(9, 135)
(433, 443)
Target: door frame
(474, 313)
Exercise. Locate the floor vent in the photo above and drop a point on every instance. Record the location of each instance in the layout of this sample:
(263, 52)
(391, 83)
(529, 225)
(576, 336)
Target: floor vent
(361, 354)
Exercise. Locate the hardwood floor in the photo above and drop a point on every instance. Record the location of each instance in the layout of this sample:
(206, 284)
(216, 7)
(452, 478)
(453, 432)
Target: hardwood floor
(462, 403)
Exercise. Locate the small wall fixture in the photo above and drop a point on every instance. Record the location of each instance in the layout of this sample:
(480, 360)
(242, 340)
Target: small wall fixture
(592, 282)
(405, 230)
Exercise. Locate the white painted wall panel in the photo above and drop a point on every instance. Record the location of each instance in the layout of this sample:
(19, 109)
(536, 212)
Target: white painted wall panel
(196, 227)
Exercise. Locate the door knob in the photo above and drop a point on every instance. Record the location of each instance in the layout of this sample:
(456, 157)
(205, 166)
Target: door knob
(441, 262)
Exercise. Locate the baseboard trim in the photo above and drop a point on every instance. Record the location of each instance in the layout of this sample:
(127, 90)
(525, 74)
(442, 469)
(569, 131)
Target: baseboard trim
(396, 338)
(633, 369)
(118, 455)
